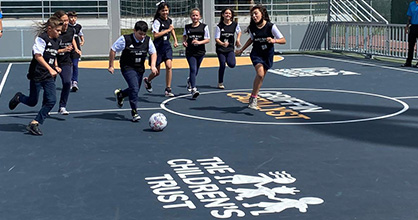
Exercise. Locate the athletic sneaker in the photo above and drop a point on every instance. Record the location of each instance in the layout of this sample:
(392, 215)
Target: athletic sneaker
(74, 86)
(63, 111)
(221, 86)
(252, 103)
(147, 84)
(119, 98)
(14, 101)
(135, 115)
(188, 85)
(34, 129)
(168, 92)
(195, 93)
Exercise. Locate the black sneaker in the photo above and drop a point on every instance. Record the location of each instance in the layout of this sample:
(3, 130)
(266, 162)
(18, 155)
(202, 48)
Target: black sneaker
(168, 92)
(135, 115)
(406, 65)
(14, 101)
(119, 98)
(34, 129)
(147, 84)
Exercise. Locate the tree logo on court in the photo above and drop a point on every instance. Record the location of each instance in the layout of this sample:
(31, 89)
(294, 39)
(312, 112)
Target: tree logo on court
(212, 182)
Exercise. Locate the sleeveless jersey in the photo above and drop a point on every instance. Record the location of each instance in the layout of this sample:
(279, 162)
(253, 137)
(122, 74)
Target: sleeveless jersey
(227, 34)
(165, 39)
(260, 44)
(37, 72)
(134, 54)
(195, 33)
(64, 59)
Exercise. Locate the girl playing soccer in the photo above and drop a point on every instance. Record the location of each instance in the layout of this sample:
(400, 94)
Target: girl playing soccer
(135, 48)
(225, 38)
(42, 72)
(195, 36)
(67, 44)
(162, 28)
(75, 54)
(263, 36)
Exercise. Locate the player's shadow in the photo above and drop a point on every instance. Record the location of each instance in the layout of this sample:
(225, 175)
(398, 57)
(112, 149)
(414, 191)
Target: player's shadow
(13, 127)
(207, 87)
(225, 110)
(140, 99)
(397, 131)
(105, 116)
(199, 87)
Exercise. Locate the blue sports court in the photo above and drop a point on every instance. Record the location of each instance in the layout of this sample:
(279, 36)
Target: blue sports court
(334, 138)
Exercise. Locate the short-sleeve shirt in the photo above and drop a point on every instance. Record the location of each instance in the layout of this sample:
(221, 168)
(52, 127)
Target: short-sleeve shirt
(413, 12)
(119, 45)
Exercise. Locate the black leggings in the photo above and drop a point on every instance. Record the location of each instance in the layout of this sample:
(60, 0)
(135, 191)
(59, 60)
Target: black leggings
(228, 58)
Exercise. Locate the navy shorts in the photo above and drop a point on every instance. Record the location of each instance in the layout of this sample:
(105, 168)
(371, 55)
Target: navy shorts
(163, 55)
(265, 58)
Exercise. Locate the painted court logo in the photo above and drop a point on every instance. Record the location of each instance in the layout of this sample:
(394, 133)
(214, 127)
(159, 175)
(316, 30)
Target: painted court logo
(280, 105)
(315, 71)
(208, 179)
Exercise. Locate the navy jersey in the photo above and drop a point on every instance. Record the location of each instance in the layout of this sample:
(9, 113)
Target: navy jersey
(37, 72)
(260, 44)
(197, 33)
(227, 34)
(164, 40)
(64, 59)
(134, 54)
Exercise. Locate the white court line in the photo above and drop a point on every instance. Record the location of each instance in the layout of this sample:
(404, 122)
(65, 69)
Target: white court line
(407, 97)
(366, 64)
(81, 112)
(405, 107)
(6, 74)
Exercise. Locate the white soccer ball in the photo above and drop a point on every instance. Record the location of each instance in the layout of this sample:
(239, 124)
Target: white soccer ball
(157, 121)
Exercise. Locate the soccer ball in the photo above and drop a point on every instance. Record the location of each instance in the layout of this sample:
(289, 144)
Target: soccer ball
(157, 121)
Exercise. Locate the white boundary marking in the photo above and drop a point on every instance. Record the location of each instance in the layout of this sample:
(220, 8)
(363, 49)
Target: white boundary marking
(6, 74)
(81, 112)
(405, 108)
(407, 97)
(365, 63)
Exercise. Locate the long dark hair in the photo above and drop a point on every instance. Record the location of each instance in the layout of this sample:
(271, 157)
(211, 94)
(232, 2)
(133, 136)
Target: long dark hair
(52, 22)
(223, 11)
(263, 11)
(161, 6)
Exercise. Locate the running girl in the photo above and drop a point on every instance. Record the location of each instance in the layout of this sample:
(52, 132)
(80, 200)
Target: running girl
(195, 36)
(263, 36)
(162, 28)
(42, 72)
(134, 49)
(225, 38)
(76, 53)
(67, 44)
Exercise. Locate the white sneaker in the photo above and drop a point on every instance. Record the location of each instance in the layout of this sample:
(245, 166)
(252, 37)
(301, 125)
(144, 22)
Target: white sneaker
(252, 104)
(221, 86)
(195, 93)
(63, 111)
(74, 86)
(135, 116)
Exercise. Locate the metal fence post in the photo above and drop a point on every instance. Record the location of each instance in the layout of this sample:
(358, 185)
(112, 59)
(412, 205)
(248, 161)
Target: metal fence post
(208, 12)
